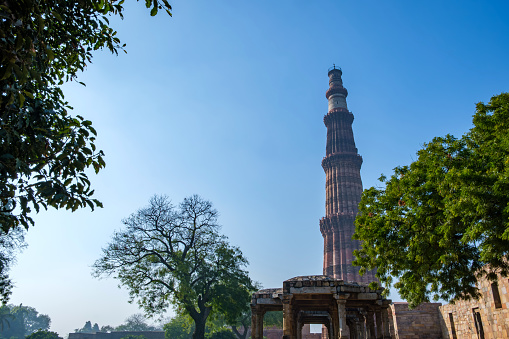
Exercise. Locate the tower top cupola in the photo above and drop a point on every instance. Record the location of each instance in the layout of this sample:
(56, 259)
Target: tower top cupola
(336, 94)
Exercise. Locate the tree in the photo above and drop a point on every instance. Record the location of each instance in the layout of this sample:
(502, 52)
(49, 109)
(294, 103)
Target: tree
(10, 243)
(44, 151)
(442, 223)
(237, 315)
(223, 333)
(34, 321)
(40, 334)
(107, 328)
(179, 327)
(87, 328)
(135, 322)
(167, 254)
(273, 318)
(21, 321)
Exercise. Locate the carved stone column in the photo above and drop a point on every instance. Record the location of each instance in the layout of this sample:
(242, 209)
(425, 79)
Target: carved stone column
(299, 329)
(288, 318)
(370, 324)
(361, 328)
(257, 322)
(334, 322)
(385, 322)
(379, 329)
(343, 333)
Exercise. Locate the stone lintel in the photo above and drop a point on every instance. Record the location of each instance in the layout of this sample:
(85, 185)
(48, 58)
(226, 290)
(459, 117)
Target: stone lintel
(267, 301)
(312, 290)
(367, 296)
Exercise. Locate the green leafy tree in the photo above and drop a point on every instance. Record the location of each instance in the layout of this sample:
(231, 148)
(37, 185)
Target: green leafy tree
(44, 151)
(34, 321)
(135, 322)
(179, 327)
(5, 317)
(441, 223)
(167, 254)
(235, 315)
(21, 321)
(40, 334)
(10, 244)
(223, 333)
(273, 318)
(107, 328)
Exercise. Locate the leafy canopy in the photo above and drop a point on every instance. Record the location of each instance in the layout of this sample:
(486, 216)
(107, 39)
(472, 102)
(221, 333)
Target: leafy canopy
(21, 321)
(135, 322)
(441, 223)
(44, 152)
(44, 335)
(176, 255)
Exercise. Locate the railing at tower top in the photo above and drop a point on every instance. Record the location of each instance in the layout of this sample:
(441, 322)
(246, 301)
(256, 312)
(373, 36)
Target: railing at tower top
(334, 67)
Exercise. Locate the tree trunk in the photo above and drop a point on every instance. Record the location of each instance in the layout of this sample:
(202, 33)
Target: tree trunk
(199, 328)
(238, 334)
(245, 321)
(200, 320)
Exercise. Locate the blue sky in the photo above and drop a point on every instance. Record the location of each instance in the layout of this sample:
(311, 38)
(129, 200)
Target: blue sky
(226, 100)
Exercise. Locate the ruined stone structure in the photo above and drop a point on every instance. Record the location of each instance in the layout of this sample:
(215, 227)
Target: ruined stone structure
(343, 187)
(486, 318)
(422, 322)
(347, 310)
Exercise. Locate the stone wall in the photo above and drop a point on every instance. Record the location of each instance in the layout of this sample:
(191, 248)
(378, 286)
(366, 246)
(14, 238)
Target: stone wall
(422, 322)
(486, 318)
(117, 335)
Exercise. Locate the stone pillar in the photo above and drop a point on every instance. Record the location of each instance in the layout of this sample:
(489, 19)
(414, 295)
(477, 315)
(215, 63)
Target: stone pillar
(299, 330)
(288, 318)
(385, 321)
(370, 324)
(358, 329)
(342, 330)
(361, 329)
(334, 322)
(379, 329)
(256, 322)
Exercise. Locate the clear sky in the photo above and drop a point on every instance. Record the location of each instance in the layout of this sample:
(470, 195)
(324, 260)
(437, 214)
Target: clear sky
(226, 100)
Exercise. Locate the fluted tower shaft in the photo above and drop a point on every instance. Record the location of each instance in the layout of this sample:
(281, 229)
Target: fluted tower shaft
(343, 187)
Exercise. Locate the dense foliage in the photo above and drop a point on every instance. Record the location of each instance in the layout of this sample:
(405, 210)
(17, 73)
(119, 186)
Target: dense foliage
(44, 335)
(21, 321)
(176, 255)
(10, 243)
(441, 223)
(44, 151)
(224, 333)
(273, 318)
(180, 326)
(135, 322)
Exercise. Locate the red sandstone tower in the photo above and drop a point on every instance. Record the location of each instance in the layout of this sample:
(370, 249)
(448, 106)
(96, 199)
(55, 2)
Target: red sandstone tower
(343, 187)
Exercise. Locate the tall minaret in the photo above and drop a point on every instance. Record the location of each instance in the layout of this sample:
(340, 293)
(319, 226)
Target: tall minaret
(343, 187)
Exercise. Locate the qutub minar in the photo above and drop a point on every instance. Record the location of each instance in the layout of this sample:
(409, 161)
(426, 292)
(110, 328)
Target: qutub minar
(341, 299)
(343, 187)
